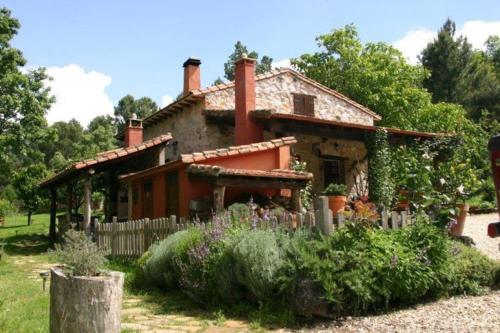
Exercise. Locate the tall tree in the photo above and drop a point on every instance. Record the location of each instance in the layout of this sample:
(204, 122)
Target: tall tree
(24, 100)
(128, 105)
(27, 184)
(445, 58)
(262, 66)
(375, 75)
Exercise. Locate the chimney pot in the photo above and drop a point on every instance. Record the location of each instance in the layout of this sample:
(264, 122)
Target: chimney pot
(192, 78)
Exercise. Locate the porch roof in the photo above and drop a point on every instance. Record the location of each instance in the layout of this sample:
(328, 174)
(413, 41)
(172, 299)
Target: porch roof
(214, 154)
(277, 178)
(103, 160)
(270, 116)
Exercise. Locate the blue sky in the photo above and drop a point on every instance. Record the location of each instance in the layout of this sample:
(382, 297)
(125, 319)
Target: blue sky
(138, 47)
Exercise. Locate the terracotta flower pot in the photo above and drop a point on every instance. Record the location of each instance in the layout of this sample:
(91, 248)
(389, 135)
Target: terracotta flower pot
(458, 229)
(336, 203)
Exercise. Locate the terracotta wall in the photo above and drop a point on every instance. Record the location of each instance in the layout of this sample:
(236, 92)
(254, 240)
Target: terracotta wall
(191, 190)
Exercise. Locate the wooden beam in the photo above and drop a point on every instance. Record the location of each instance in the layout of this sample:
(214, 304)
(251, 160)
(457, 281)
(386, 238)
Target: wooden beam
(219, 198)
(53, 211)
(130, 200)
(252, 182)
(87, 204)
(296, 202)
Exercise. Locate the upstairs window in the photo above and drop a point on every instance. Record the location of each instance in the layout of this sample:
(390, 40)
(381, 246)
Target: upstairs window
(303, 104)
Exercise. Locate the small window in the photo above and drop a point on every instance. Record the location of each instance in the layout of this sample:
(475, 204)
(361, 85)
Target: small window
(303, 104)
(334, 171)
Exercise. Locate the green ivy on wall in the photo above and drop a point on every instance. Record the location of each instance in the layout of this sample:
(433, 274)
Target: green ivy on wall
(380, 182)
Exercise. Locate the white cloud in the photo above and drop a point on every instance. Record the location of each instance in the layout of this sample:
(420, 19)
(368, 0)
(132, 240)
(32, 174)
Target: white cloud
(478, 31)
(166, 100)
(80, 95)
(416, 40)
(284, 63)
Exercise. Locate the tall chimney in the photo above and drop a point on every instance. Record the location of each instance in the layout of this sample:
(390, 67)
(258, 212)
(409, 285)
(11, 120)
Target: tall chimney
(191, 75)
(246, 129)
(133, 132)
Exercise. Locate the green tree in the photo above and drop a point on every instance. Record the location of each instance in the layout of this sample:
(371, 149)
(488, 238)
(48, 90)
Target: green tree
(493, 51)
(262, 66)
(127, 105)
(27, 182)
(24, 101)
(375, 75)
(445, 58)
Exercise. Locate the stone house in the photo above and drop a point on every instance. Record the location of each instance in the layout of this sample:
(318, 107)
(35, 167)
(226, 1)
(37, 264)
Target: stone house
(324, 128)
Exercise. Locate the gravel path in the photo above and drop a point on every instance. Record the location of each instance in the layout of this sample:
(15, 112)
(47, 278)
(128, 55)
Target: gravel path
(457, 314)
(476, 228)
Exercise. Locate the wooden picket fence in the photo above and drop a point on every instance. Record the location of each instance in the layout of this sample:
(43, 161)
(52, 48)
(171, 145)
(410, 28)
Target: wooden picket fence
(133, 238)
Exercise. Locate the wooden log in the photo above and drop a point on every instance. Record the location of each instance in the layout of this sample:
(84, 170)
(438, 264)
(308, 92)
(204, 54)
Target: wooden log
(219, 198)
(85, 304)
(87, 204)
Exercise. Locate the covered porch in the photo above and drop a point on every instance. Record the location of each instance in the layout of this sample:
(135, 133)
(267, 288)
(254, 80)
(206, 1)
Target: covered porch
(76, 183)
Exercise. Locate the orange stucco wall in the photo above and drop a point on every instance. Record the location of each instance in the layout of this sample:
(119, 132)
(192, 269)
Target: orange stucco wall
(278, 158)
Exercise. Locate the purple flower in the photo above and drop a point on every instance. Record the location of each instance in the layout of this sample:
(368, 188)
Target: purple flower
(451, 223)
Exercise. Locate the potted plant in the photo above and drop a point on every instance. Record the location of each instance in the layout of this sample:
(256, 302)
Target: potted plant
(83, 296)
(462, 208)
(403, 199)
(337, 197)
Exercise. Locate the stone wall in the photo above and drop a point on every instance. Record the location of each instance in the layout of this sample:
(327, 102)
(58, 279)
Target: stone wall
(310, 148)
(191, 131)
(275, 93)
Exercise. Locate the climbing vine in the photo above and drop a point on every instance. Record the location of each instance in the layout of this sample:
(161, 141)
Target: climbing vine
(380, 183)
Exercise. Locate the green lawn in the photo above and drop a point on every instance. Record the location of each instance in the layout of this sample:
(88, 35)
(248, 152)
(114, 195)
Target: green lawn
(24, 307)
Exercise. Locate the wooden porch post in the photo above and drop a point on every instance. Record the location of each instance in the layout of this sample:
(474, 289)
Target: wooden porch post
(130, 200)
(87, 204)
(53, 210)
(296, 202)
(219, 198)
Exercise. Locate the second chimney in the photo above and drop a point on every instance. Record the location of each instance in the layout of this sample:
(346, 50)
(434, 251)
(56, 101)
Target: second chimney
(133, 132)
(246, 129)
(191, 75)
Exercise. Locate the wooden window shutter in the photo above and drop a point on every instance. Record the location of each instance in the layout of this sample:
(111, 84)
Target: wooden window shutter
(303, 104)
(309, 106)
(298, 104)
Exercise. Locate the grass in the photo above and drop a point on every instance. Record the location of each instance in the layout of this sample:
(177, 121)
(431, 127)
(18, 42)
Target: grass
(24, 307)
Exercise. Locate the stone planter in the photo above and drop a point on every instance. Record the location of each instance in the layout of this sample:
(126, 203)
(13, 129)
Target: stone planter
(85, 304)
(458, 229)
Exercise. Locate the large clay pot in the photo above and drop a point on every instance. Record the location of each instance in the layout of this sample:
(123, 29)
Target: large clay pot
(85, 304)
(336, 203)
(458, 229)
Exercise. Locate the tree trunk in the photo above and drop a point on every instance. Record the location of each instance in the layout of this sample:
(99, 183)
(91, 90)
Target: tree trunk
(29, 217)
(85, 304)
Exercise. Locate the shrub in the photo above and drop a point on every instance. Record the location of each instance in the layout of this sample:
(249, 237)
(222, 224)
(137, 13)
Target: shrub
(259, 256)
(162, 268)
(80, 254)
(335, 189)
(380, 178)
(471, 271)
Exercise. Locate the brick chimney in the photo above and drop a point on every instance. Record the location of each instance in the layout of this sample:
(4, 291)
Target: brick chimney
(246, 129)
(133, 132)
(191, 75)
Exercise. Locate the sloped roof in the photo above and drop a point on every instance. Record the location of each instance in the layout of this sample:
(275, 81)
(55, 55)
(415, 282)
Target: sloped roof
(237, 150)
(106, 157)
(195, 95)
(216, 153)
